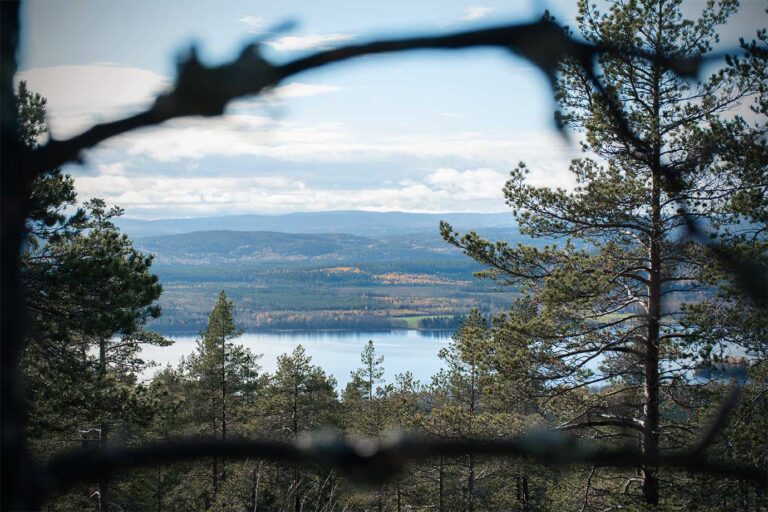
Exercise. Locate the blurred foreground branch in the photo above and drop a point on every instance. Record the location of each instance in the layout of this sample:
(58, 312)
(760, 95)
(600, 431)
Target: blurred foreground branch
(370, 462)
(206, 91)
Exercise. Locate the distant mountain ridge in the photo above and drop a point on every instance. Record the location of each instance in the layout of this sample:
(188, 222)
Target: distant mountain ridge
(225, 246)
(352, 222)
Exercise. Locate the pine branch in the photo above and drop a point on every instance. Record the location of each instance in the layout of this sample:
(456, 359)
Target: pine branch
(719, 423)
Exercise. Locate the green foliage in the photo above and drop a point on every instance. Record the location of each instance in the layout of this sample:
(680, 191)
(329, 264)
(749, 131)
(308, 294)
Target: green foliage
(90, 292)
(300, 397)
(225, 373)
(616, 314)
(52, 192)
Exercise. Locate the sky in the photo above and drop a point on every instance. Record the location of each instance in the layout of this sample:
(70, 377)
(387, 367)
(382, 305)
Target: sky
(422, 132)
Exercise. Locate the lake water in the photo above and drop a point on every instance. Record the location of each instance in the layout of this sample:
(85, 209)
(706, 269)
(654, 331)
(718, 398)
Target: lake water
(338, 353)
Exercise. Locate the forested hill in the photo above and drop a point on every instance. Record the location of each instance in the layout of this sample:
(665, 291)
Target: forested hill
(223, 246)
(326, 270)
(317, 280)
(360, 223)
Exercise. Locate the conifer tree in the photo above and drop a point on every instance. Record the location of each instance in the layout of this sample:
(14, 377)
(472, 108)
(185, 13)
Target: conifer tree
(605, 304)
(364, 396)
(224, 374)
(366, 405)
(89, 291)
(367, 378)
(301, 398)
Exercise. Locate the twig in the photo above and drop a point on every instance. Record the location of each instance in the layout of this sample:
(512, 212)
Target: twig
(587, 488)
(751, 403)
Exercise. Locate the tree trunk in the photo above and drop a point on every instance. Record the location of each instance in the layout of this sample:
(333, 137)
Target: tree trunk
(223, 395)
(103, 482)
(215, 478)
(440, 477)
(650, 439)
(255, 481)
(295, 425)
(17, 468)
(215, 463)
(525, 492)
(297, 498)
(650, 443)
(471, 485)
(159, 494)
(103, 431)
(473, 398)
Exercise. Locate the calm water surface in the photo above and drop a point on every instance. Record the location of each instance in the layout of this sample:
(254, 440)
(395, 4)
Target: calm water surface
(338, 353)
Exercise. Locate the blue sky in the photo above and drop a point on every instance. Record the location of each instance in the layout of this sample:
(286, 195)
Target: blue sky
(427, 131)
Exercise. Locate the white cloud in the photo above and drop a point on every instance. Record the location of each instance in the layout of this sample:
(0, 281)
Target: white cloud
(112, 169)
(308, 41)
(79, 96)
(181, 164)
(476, 12)
(452, 115)
(253, 23)
(159, 196)
(470, 184)
(258, 136)
(300, 90)
(437, 190)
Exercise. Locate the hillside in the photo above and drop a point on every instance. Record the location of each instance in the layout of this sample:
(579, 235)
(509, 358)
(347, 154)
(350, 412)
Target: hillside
(317, 281)
(208, 247)
(265, 247)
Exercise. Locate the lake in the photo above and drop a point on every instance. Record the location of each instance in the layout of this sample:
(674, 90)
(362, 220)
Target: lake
(337, 352)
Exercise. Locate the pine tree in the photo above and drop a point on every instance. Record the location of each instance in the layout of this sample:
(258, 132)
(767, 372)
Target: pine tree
(367, 378)
(88, 290)
(364, 397)
(300, 398)
(224, 374)
(606, 310)
(366, 405)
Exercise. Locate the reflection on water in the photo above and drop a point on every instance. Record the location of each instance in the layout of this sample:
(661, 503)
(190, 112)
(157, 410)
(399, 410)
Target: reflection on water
(337, 352)
(731, 369)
